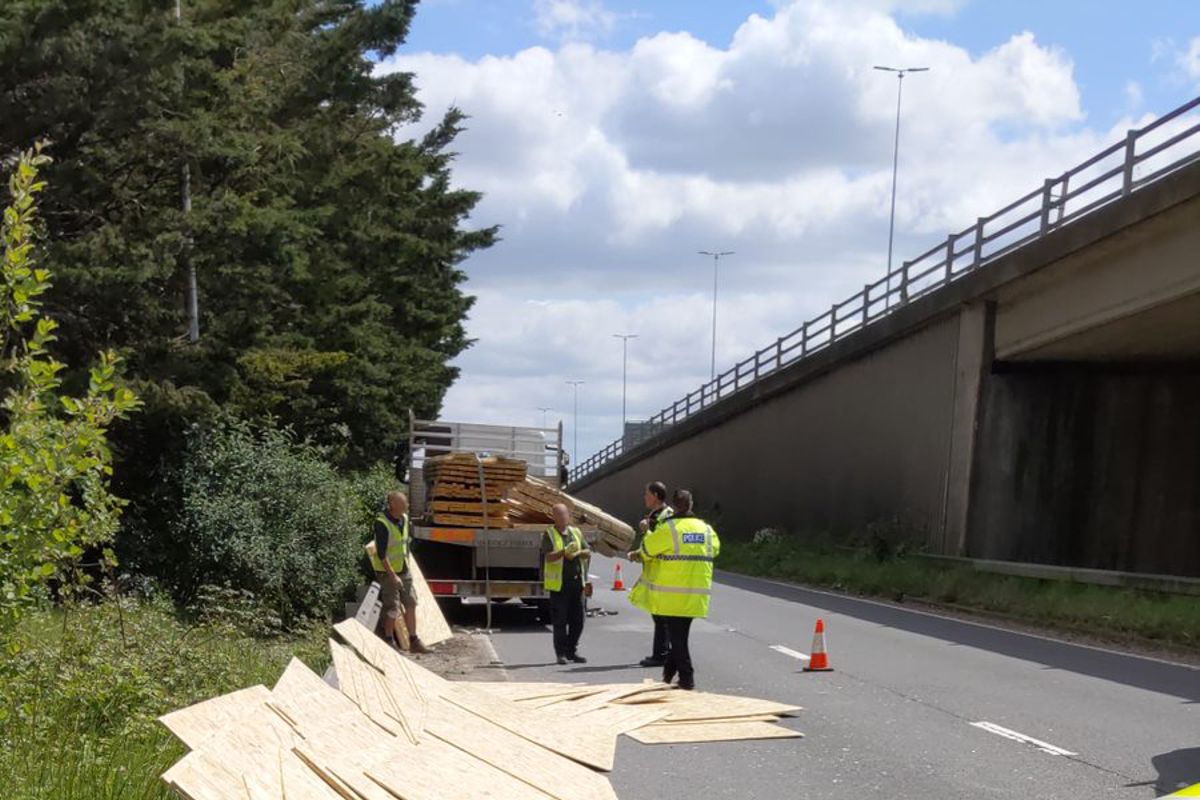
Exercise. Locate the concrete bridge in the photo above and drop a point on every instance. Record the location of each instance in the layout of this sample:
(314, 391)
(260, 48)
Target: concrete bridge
(1028, 390)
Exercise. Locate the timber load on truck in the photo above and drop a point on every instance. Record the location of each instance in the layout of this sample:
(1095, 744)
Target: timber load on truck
(481, 498)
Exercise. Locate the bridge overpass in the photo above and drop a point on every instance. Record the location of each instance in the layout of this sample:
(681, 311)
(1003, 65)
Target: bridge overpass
(1027, 390)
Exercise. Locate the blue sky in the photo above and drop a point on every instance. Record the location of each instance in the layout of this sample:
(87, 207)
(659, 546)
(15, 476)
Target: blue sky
(612, 139)
(1111, 42)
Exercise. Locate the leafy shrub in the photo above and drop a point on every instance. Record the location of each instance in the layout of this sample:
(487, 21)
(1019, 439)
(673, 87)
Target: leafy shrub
(54, 457)
(264, 513)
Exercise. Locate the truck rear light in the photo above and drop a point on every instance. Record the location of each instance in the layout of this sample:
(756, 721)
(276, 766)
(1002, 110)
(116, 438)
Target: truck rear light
(441, 587)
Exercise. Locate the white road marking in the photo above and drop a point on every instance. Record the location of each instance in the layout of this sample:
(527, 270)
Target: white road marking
(960, 620)
(1045, 747)
(787, 651)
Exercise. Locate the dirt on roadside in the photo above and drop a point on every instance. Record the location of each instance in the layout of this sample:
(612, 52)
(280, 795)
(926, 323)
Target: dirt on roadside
(468, 656)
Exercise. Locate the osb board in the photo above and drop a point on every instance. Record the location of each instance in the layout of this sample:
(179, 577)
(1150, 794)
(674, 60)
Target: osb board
(225, 769)
(616, 720)
(395, 666)
(432, 770)
(607, 696)
(431, 622)
(590, 746)
(752, 718)
(196, 723)
(376, 697)
(711, 732)
(517, 690)
(702, 705)
(302, 696)
(556, 775)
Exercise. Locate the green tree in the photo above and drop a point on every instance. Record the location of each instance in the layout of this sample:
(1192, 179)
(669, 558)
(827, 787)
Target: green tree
(327, 246)
(54, 459)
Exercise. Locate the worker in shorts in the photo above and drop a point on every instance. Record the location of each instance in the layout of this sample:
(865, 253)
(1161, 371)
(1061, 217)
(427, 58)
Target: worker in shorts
(391, 571)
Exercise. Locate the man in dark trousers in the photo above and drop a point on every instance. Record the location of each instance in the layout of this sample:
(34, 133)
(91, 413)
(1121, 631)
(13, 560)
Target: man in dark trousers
(680, 554)
(565, 558)
(655, 499)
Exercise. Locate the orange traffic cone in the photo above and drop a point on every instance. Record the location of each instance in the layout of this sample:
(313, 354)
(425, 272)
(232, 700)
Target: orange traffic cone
(618, 584)
(818, 659)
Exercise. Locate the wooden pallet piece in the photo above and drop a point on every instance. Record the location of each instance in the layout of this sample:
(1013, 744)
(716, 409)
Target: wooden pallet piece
(711, 732)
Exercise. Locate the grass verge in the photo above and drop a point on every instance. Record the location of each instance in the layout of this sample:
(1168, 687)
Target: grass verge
(79, 699)
(1105, 612)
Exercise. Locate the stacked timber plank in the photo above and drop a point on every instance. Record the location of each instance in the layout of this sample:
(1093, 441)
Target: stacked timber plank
(456, 495)
(533, 497)
(392, 729)
(514, 499)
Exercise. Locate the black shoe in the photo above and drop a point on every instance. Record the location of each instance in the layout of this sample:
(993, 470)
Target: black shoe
(653, 661)
(687, 685)
(578, 659)
(562, 659)
(668, 677)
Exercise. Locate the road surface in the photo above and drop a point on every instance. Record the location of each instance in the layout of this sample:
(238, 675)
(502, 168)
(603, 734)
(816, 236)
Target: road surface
(919, 706)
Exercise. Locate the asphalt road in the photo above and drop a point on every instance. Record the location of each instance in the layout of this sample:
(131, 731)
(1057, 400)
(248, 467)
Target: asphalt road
(919, 706)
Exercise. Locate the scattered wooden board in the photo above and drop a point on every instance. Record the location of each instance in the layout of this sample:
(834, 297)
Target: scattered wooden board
(576, 741)
(431, 622)
(544, 769)
(710, 732)
(706, 706)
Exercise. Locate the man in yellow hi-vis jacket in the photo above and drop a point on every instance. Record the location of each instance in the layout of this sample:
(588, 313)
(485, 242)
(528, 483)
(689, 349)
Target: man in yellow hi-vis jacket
(565, 557)
(677, 558)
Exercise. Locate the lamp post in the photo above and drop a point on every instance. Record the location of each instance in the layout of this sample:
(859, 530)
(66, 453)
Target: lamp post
(544, 409)
(900, 73)
(716, 257)
(624, 337)
(575, 421)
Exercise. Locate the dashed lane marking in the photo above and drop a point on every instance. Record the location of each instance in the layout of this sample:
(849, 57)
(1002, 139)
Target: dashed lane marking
(787, 651)
(1045, 747)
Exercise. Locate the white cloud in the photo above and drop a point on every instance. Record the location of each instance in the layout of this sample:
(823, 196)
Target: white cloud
(1189, 60)
(609, 169)
(1134, 96)
(572, 20)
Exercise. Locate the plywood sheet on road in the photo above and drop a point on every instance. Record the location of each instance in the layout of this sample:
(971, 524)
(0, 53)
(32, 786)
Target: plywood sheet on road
(552, 773)
(711, 732)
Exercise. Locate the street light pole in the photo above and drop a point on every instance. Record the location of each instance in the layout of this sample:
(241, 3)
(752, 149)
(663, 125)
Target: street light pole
(544, 409)
(624, 337)
(575, 422)
(900, 73)
(716, 257)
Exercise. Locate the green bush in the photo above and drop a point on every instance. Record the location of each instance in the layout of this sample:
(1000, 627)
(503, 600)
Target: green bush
(264, 513)
(54, 457)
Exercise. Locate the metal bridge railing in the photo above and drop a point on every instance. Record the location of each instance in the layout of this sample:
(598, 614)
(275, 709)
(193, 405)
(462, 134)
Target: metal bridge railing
(1145, 156)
